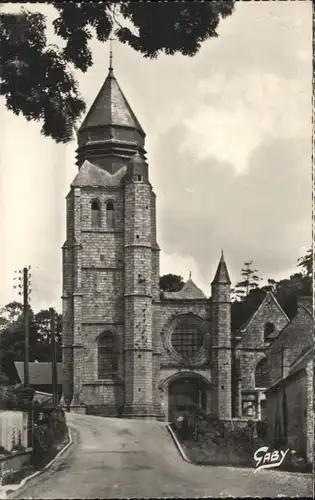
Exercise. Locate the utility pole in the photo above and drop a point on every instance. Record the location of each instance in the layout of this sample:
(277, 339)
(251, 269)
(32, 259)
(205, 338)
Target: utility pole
(26, 289)
(52, 318)
(26, 326)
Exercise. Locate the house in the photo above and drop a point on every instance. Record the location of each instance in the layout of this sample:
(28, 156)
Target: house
(290, 392)
(250, 344)
(40, 376)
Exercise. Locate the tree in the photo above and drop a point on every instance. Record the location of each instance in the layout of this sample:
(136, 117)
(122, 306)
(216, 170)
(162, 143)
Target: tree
(43, 348)
(307, 263)
(287, 291)
(249, 280)
(10, 314)
(12, 334)
(171, 283)
(27, 61)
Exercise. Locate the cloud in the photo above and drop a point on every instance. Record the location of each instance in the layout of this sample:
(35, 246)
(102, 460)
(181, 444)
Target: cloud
(262, 215)
(241, 106)
(235, 115)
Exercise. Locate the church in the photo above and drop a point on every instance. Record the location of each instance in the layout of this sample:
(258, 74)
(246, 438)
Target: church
(129, 349)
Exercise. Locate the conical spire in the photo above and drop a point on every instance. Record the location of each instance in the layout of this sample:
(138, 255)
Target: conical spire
(111, 108)
(222, 275)
(110, 128)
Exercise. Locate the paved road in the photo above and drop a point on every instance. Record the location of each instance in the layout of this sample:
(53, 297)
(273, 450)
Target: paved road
(115, 458)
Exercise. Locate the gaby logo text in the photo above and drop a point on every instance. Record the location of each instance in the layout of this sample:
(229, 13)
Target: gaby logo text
(266, 459)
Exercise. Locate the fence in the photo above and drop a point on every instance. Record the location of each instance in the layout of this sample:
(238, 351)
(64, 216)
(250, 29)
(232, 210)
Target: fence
(42, 397)
(13, 430)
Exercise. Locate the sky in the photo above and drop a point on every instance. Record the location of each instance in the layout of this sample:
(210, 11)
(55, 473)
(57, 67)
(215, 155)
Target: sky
(229, 152)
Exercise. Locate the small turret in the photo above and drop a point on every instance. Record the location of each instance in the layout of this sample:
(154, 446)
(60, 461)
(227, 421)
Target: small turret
(221, 342)
(221, 276)
(221, 283)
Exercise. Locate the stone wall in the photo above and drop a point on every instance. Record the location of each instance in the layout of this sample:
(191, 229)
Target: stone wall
(170, 309)
(13, 429)
(253, 346)
(295, 396)
(138, 300)
(167, 375)
(221, 352)
(295, 338)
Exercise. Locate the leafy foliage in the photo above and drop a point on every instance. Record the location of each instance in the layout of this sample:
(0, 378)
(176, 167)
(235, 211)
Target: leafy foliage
(37, 79)
(12, 334)
(287, 292)
(49, 431)
(171, 283)
(249, 280)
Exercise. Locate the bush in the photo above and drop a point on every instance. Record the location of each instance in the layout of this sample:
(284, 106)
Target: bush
(49, 431)
(6, 396)
(216, 443)
(22, 396)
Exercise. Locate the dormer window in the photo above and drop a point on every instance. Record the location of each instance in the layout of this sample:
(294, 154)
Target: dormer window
(139, 178)
(110, 215)
(95, 213)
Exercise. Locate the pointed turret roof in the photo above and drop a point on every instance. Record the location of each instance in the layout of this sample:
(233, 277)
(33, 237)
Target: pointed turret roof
(222, 275)
(111, 108)
(110, 133)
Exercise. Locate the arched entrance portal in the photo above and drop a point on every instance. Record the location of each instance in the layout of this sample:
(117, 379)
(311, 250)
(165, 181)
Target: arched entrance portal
(186, 394)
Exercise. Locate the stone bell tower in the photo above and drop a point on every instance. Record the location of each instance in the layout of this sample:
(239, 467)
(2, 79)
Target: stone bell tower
(110, 274)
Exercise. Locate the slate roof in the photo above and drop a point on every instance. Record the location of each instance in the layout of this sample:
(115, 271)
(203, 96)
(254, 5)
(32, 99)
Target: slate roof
(189, 291)
(222, 275)
(39, 373)
(93, 176)
(268, 295)
(299, 364)
(111, 108)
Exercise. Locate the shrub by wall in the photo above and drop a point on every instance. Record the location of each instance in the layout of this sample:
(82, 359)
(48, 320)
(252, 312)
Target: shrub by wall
(49, 432)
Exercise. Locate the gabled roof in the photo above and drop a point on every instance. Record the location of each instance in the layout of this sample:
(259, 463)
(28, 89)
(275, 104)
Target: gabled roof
(299, 364)
(93, 176)
(306, 353)
(39, 373)
(294, 321)
(189, 291)
(268, 296)
(111, 108)
(222, 275)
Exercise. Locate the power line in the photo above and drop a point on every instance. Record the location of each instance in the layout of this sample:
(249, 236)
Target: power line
(24, 288)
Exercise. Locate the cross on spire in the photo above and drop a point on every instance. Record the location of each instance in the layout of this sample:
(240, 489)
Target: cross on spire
(110, 55)
(190, 275)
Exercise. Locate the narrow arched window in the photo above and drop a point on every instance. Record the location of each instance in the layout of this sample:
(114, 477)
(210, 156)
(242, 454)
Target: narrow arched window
(110, 214)
(261, 374)
(107, 358)
(268, 330)
(95, 213)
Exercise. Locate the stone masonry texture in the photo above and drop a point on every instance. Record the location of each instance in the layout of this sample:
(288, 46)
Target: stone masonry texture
(111, 270)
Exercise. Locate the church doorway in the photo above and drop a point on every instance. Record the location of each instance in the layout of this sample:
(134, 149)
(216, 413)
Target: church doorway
(186, 395)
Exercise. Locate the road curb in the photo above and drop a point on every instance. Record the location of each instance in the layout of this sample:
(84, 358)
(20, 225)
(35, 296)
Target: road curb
(178, 445)
(184, 457)
(14, 487)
